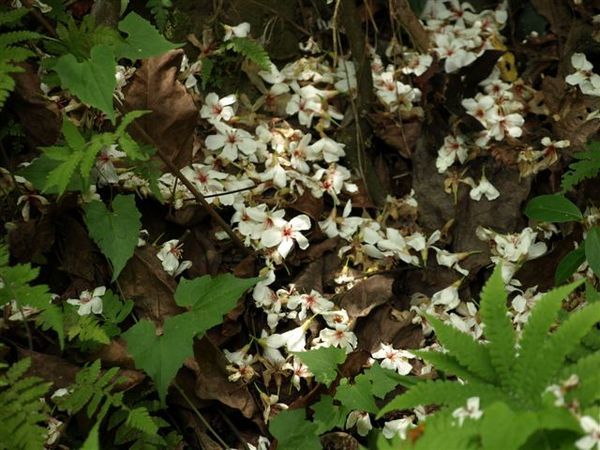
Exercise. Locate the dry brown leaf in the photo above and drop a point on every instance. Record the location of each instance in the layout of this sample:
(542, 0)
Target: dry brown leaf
(401, 136)
(366, 295)
(144, 281)
(338, 440)
(211, 379)
(40, 118)
(174, 115)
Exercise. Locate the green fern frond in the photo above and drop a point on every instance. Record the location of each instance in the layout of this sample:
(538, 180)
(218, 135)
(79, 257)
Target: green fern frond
(252, 50)
(448, 364)
(467, 351)
(15, 37)
(564, 340)
(140, 419)
(530, 362)
(160, 11)
(586, 166)
(92, 391)
(11, 56)
(87, 328)
(498, 327)
(12, 17)
(587, 370)
(22, 415)
(443, 392)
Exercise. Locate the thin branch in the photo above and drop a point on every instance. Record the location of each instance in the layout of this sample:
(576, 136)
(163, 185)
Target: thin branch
(412, 25)
(188, 184)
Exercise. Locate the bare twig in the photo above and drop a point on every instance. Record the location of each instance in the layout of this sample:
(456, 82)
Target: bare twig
(411, 24)
(188, 184)
(40, 18)
(362, 105)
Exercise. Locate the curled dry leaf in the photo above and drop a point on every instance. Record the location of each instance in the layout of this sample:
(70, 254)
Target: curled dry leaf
(338, 440)
(172, 123)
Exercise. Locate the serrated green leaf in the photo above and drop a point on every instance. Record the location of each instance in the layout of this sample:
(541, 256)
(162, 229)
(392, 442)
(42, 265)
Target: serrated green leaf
(143, 39)
(140, 419)
(115, 232)
(357, 396)
(92, 80)
(553, 208)
(161, 357)
(327, 415)
(529, 365)
(210, 298)
(128, 119)
(323, 362)
(61, 176)
(92, 442)
(293, 431)
(592, 249)
(468, 352)
(498, 327)
(383, 380)
(251, 50)
(569, 264)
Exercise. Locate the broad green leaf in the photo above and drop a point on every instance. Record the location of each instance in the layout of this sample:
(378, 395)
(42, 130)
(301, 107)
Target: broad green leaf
(569, 264)
(592, 249)
(115, 232)
(383, 380)
(327, 415)
(498, 330)
(143, 40)
(92, 80)
(357, 396)
(211, 297)
(60, 177)
(552, 208)
(160, 356)
(323, 362)
(504, 429)
(293, 431)
(73, 137)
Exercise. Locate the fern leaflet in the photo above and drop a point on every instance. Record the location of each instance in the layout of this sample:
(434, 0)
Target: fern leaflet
(498, 326)
(22, 414)
(252, 50)
(586, 166)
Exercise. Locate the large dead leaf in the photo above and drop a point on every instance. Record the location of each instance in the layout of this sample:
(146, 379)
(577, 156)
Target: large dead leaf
(172, 123)
(40, 118)
(366, 295)
(144, 281)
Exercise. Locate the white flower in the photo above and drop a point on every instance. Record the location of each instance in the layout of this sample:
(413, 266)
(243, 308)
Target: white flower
(452, 50)
(398, 427)
(105, 165)
(169, 255)
(242, 30)
(484, 188)
(584, 77)
(483, 108)
(215, 109)
(361, 420)
(395, 244)
(592, 438)
(339, 337)
(89, 302)
(454, 148)
(328, 149)
(447, 297)
(418, 64)
(287, 234)
(471, 411)
(394, 359)
(299, 371)
(313, 302)
(231, 141)
(293, 340)
(263, 444)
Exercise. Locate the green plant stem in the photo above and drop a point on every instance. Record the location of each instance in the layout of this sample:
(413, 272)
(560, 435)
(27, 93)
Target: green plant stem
(200, 416)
